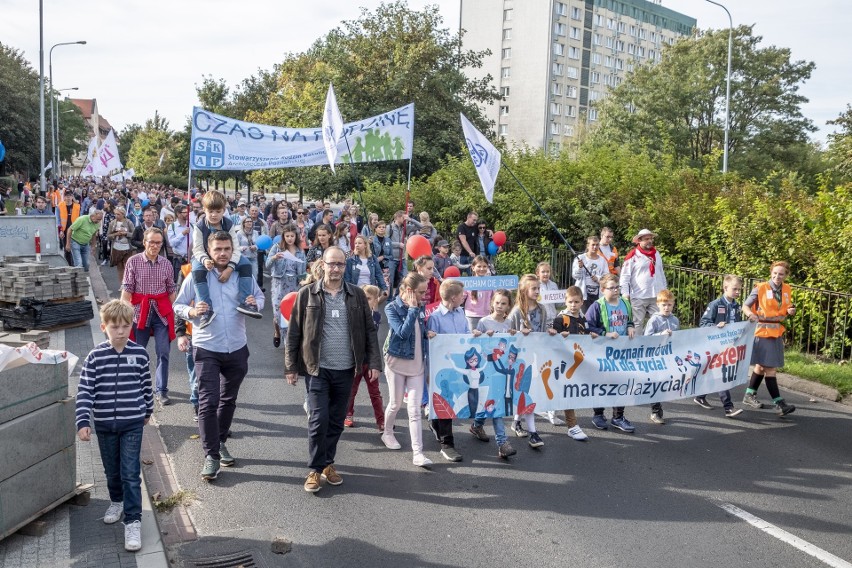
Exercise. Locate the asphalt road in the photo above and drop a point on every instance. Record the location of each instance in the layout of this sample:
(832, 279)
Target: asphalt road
(653, 498)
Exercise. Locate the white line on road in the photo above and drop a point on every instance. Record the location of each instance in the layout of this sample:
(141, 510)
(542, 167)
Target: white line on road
(784, 536)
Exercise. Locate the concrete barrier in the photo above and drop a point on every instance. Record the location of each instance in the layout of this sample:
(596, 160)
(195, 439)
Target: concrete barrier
(30, 387)
(28, 439)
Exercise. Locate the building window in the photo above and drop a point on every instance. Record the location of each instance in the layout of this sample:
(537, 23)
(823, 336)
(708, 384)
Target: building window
(560, 29)
(556, 89)
(570, 110)
(554, 128)
(571, 92)
(555, 109)
(557, 69)
(653, 37)
(608, 61)
(593, 114)
(576, 13)
(573, 52)
(568, 130)
(610, 41)
(575, 33)
(504, 110)
(621, 27)
(561, 9)
(504, 91)
(631, 48)
(633, 31)
(619, 64)
(507, 53)
(651, 54)
(503, 129)
(641, 33)
(572, 73)
(596, 58)
(507, 33)
(599, 20)
(507, 15)
(596, 39)
(594, 95)
(558, 49)
(619, 45)
(506, 72)
(595, 77)
(610, 24)
(641, 51)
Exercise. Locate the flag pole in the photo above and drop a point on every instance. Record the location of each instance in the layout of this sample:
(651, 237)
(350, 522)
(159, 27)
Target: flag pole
(354, 173)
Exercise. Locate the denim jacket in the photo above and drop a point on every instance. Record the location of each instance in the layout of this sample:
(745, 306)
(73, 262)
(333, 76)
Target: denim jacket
(382, 247)
(402, 319)
(352, 268)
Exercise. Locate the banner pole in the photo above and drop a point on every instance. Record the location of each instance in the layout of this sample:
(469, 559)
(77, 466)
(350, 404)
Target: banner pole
(354, 173)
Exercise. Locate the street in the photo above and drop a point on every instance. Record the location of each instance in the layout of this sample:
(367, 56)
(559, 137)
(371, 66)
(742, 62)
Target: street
(654, 498)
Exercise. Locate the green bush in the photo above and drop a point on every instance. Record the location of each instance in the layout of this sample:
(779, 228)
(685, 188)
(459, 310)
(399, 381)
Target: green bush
(178, 182)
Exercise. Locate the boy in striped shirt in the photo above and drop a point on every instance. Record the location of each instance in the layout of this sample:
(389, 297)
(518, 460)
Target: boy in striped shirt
(115, 394)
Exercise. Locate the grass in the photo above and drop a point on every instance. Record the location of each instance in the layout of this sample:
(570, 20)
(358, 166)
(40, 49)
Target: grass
(180, 498)
(812, 368)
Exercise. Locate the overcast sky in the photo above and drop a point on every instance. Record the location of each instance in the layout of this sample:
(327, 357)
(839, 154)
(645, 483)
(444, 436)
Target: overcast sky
(148, 55)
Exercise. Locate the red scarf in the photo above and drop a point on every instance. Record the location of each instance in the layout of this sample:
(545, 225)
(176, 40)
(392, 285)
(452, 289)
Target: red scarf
(651, 254)
(164, 306)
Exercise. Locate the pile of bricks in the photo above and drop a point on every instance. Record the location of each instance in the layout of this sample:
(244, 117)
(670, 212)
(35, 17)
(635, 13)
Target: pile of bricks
(38, 281)
(38, 336)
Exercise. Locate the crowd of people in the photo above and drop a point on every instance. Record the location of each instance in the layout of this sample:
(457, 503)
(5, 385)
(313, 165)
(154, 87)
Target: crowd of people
(192, 269)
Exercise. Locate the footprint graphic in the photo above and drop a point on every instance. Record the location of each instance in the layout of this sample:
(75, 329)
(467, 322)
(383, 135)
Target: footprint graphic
(546, 370)
(578, 358)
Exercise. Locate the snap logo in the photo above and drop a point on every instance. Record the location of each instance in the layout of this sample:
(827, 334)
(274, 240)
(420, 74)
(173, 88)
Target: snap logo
(208, 154)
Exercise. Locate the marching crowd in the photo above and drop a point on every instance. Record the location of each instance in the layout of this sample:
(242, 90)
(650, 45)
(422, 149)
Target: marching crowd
(192, 269)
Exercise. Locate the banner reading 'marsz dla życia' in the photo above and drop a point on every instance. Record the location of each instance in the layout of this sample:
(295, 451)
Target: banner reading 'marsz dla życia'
(503, 375)
(222, 143)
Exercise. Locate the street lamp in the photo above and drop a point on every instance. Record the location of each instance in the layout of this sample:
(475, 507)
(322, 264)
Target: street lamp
(728, 88)
(53, 133)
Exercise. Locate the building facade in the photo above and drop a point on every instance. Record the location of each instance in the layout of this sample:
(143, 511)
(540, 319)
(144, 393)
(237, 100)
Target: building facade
(553, 59)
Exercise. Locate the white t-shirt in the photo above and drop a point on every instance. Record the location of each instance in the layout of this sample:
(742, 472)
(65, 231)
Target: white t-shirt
(363, 271)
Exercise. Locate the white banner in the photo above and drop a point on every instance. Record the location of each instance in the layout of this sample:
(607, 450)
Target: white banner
(128, 173)
(504, 375)
(485, 157)
(222, 143)
(107, 159)
(552, 297)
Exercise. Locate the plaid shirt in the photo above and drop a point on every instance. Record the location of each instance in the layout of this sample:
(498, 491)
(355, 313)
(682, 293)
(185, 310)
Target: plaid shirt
(141, 276)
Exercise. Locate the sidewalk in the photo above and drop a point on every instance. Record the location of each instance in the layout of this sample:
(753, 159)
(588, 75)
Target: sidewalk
(76, 535)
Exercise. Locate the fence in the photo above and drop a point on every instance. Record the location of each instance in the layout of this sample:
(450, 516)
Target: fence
(822, 324)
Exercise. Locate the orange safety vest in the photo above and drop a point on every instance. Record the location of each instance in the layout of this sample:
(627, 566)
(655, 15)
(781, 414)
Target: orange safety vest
(611, 260)
(55, 198)
(186, 269)
(769, 307)
(63, 215)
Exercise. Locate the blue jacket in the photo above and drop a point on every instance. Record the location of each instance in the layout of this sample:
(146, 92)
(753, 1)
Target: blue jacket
(382, 247)
(351, 273)
(717, 311)
(402, 319)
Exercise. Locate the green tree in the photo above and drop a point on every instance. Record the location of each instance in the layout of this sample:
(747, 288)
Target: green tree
(678, 104)
(840, 144)
(19, 112)
(73, 131)
(126, 138)
(151, 148)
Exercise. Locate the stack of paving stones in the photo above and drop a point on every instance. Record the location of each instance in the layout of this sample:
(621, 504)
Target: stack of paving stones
(33, 295)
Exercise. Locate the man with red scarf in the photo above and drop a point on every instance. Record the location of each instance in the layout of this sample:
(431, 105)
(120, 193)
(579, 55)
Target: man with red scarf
(642, 277)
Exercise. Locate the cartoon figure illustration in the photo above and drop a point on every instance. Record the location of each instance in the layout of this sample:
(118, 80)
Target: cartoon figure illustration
(472, 376)
(694, 360)
(509, 373)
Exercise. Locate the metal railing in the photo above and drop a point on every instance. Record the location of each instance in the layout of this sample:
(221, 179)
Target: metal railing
(822, 324)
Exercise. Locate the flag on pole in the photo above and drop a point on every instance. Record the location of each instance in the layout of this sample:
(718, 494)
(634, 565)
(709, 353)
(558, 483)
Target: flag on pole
(332, 126)
(107, 159)
(486, 158)
(162, 156)
(92, 151)
(129, 173)
(47, 167)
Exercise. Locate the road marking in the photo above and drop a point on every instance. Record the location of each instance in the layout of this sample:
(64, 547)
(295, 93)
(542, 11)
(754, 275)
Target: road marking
(782, 535)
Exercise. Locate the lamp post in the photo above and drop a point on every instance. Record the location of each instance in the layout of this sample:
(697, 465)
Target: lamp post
(53, 129)
(728, 88)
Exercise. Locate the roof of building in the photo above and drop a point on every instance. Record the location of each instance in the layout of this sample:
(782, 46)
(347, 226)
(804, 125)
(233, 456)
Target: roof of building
(86, 106)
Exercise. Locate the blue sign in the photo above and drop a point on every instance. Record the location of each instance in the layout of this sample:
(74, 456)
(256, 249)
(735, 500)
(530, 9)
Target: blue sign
(509, 282)
(2, 151)
(207, 154)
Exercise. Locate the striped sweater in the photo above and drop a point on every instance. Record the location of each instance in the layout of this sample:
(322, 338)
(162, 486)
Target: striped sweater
(115, 388)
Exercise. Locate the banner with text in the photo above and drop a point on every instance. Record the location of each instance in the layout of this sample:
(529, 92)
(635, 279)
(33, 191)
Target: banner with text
(222, 143)
(505, 375)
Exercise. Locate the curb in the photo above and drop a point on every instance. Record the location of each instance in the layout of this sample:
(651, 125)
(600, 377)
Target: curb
(812, 388)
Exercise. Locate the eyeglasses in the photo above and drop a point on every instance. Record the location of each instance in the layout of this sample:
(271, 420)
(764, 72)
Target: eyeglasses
(611, 288)
(300, 212)
(336, 265)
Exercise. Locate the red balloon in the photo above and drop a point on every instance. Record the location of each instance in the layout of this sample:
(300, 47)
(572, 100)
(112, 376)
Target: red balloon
(499, 238)
(286, 305)
(452, 272)
(418, 246)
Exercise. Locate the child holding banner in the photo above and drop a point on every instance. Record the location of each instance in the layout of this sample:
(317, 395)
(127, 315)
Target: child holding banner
(477, 302)
(543, 270)
(664, 322)
(571, 321)
(612, 316)
(527, 316)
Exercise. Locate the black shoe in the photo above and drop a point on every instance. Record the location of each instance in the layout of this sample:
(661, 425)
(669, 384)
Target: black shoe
(276, 341)
(783, 409)
(164, 399)
(195, 413)
(702, 402)
(249, 310)
(206, 319)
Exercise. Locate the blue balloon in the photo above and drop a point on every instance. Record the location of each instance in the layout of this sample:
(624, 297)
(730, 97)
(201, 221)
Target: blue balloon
(264, 242)
(492, 248)
(276, 240)
(145, 203)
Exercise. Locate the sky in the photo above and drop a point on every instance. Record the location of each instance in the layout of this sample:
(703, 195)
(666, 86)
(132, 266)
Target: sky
(147, 55)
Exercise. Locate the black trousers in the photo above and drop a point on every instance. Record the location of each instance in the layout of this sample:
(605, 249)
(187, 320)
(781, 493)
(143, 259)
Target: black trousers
(219, 378)
(328, 398)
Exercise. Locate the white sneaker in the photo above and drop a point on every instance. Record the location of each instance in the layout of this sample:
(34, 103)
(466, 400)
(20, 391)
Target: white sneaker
(421, 461)
(133, 536)
(555, 420)
(307, 409)
(113, 513)
(426, 411)
(389, 440)
(577, 433)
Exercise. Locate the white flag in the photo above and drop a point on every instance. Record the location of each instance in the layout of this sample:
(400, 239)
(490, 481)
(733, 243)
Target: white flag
(92, 151)
(116, 177)
(332, 126)
(486, 158)
(107, 159)
(129, 173)
(47, 167)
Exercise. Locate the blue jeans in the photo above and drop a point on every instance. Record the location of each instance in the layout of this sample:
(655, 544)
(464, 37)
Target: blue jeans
(120, 456)
(328, 397)
(163, 345)
(193, 378)
(395, 275)
(245, 283)
(499, 428)
(80, 254)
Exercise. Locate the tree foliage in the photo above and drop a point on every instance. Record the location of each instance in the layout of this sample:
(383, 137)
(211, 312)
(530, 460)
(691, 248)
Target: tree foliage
(840, 144)
(152, 145)
(677, 106)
